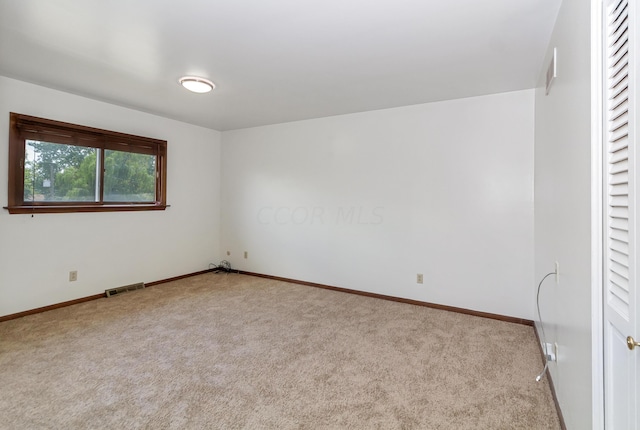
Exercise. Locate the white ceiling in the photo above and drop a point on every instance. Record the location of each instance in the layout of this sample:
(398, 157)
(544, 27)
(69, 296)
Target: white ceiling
(275, 60)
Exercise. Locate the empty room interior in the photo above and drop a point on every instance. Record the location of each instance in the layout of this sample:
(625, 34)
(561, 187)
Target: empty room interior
(336, 214)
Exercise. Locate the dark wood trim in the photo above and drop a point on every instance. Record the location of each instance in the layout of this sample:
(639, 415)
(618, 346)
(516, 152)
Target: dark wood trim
(550, 379)
(161, 175)
(293, 281)
(176, 278)
(50, 307)
(42, 209)
(94, 297)
(16, 164)
(23, 127)
(55, 125)
(396, 299)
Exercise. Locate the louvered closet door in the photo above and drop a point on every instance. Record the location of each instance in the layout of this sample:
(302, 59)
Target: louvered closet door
(620, 297)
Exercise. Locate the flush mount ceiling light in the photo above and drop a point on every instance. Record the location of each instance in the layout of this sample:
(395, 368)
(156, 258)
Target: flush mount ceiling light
(196, 85)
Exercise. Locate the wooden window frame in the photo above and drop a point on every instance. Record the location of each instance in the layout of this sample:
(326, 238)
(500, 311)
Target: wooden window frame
(25, 127)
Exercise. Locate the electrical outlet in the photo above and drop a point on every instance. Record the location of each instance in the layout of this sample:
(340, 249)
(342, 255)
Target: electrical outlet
(551, 351)
(73, 276)
(419, 278)
(246, 254)
(557, 272)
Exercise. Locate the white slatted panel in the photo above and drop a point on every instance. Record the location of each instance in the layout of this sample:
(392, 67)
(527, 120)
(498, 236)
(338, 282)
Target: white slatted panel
(617, 141)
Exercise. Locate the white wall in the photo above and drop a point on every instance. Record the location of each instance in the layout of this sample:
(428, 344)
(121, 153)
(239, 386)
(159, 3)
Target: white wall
(108, 249)
(563, 209)
(366, 201)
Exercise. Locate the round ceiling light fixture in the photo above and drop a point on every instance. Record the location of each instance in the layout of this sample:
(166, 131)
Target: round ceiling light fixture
(196, 84)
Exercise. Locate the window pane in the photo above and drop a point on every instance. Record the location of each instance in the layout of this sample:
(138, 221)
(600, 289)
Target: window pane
(129, 177)
(63, 168)
(56, 172)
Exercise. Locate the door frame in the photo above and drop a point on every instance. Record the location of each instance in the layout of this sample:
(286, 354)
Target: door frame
(598, 206)
(597, 217)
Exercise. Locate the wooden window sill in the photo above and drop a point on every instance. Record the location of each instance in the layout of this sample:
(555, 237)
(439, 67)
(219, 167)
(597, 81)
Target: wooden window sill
(43, 209)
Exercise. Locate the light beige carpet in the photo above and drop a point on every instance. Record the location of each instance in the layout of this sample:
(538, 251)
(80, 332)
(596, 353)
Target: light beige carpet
(221, 351)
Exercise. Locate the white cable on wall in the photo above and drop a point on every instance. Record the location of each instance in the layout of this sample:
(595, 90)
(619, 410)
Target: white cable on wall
(544, 337)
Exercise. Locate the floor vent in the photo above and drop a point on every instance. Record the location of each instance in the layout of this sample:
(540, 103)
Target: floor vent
(124, 289)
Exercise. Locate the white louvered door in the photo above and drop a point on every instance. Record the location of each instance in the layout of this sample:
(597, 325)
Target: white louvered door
(620, 294)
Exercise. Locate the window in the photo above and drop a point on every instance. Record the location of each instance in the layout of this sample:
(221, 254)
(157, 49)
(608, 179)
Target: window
(61, 167)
